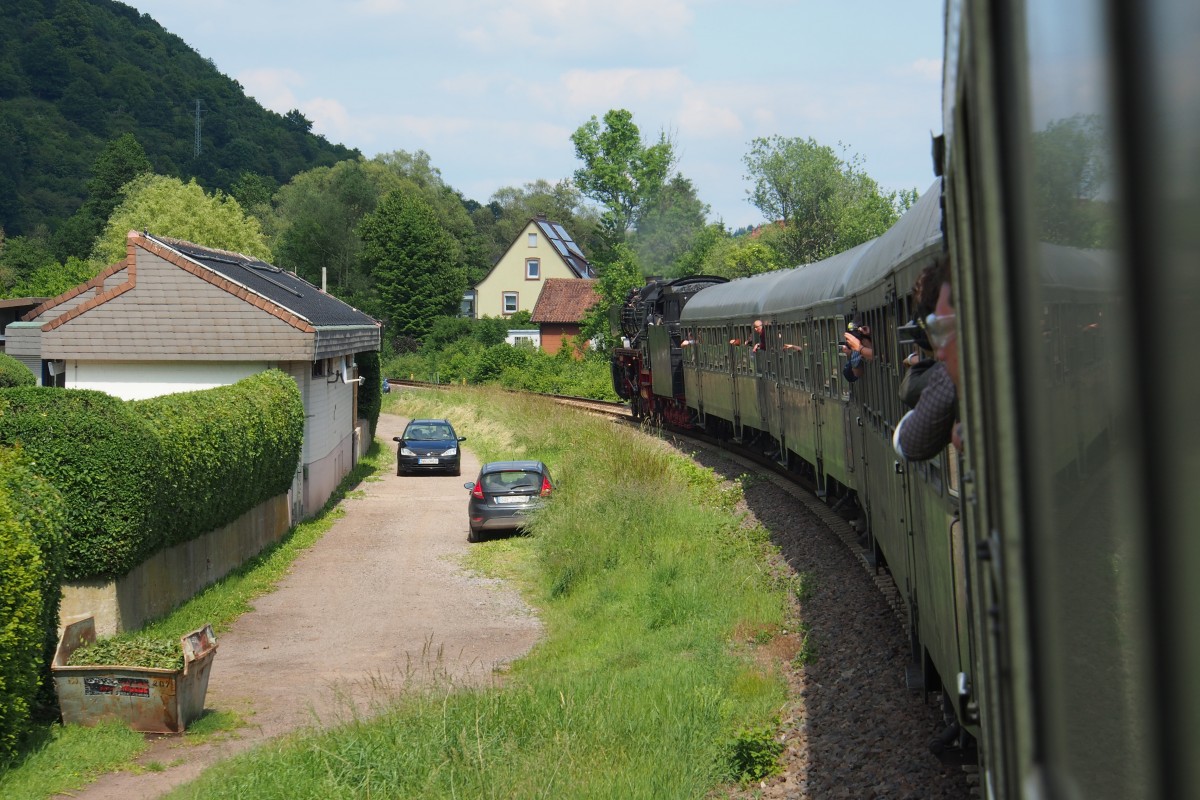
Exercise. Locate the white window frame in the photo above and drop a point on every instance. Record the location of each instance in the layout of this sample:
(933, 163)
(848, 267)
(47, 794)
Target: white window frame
(533, 269)
(516, 302)
(533, 240)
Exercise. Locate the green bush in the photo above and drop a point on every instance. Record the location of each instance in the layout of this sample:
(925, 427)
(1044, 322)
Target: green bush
(32, 519)
(370, 394)
(14, 373)
(225, 450)
(106, 463)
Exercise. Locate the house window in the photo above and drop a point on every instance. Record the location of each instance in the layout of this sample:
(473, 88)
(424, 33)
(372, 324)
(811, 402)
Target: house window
(533, 240)
(510, 302)
(533, 269)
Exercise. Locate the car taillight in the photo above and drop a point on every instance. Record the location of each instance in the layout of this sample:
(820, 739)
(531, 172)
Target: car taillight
(477, 492)
(546, 487)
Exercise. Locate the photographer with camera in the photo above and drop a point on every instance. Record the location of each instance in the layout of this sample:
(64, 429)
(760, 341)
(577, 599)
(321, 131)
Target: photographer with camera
(858, 346)
(925, 431)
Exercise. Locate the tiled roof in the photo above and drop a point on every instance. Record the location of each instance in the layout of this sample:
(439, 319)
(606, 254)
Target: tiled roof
(565, 300)
(565, 246)
(285, 289)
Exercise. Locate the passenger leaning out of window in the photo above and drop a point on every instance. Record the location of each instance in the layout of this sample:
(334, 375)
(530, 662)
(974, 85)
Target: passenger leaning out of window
(858, 347)
(921, 361)
(926, 430)
(757, 340)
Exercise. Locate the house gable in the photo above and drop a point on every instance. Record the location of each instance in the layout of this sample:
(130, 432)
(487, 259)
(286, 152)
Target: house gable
(560, 309)
(557, 257)
(171, 300)
(565, 301)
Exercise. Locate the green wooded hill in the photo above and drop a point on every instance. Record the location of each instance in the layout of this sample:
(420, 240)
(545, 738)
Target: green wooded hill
(77, 74)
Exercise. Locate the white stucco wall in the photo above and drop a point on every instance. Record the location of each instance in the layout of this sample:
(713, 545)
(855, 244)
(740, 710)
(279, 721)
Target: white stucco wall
(143, 379)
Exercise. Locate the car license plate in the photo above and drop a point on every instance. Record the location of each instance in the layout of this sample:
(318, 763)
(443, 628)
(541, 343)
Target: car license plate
(427, 461)
(510, 499)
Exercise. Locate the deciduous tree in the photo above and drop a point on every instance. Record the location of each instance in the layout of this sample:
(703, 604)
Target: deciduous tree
(168, 207)
(826, 203)
(619, 171)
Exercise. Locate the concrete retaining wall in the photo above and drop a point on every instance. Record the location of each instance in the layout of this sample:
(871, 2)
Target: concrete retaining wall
(172, 576)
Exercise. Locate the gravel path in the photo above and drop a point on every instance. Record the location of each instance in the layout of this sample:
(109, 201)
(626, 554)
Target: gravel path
(380, 602)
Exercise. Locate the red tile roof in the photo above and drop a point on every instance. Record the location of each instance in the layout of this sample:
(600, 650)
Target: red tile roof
(565, 300)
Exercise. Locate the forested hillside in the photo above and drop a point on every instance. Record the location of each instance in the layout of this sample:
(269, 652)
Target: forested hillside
(77, 74)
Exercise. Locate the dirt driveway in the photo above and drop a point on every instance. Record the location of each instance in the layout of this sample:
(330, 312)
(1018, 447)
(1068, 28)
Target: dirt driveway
(380, 601)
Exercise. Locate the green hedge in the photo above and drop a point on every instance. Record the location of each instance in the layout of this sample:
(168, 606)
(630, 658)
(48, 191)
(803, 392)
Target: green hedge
(225, 450)
(106, 463)
(32, 522)
(14, 373)
(370, 394)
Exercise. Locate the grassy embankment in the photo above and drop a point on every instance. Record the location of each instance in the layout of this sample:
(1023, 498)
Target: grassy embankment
(645, 684)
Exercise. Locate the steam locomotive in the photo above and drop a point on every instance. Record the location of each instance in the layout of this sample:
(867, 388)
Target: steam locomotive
(1048, 569)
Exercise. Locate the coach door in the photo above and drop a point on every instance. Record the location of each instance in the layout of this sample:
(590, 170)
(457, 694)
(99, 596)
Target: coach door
(770, 392)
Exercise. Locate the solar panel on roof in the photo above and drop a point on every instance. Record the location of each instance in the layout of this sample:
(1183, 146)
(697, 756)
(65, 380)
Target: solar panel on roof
(561, 232)
(560, 247)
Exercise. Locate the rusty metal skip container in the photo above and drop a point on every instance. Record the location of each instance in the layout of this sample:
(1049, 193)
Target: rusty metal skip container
(149, 700)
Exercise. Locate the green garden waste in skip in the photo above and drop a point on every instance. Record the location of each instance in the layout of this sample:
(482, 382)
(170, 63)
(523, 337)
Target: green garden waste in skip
(147, 699)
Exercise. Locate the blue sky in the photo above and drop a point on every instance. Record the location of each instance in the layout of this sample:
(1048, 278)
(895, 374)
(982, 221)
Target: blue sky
(493, 90)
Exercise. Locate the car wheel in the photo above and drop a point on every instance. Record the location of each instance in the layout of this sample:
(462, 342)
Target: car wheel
(457, 471)
(472, 535)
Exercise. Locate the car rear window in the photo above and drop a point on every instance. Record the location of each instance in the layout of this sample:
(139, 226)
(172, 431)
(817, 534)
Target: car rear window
(511, 480)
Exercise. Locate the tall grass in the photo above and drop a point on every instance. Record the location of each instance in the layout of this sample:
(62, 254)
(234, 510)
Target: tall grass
(649, 587)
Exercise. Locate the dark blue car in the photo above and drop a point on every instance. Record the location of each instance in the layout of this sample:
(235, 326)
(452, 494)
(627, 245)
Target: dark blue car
(429, 445)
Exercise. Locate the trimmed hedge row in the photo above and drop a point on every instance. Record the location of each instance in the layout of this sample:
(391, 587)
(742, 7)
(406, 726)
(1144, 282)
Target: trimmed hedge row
(14, 373)
(106, 463)
(32, 522)
(225, 450)
(140, 476)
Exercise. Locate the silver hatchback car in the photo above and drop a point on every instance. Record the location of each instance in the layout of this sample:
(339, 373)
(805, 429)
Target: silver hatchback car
(504, 494)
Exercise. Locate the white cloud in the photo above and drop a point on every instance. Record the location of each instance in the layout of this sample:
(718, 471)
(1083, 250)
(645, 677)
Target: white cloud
(928, 68)
(701, 118)
(613, 88)
(272, 87)
(558, 27)
(382, 7)
(329, 117)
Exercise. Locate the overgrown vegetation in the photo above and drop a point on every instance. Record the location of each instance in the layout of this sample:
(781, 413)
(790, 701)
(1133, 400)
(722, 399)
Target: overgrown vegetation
(647, 584)
(474, 352)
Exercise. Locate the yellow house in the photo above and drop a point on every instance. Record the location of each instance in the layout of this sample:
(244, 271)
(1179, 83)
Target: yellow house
(543, 250)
